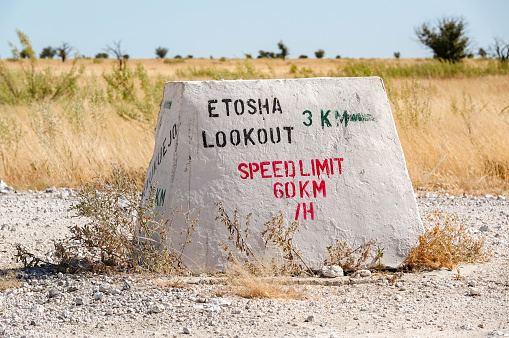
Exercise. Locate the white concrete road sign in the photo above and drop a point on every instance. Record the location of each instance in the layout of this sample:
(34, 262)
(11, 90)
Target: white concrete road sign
(324, 151)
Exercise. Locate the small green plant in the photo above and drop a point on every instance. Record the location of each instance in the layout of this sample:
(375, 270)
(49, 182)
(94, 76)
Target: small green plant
(29, 85)
(122, 83)
(26, 52)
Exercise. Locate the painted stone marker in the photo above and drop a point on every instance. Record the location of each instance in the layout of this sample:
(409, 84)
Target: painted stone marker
(324, 151)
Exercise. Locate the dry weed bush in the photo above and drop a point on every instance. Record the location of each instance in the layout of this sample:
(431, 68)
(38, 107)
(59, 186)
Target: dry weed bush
(445, 244)
(276, 236)
(352, 259)
(281, 237)
(247, 270)
(123, 232)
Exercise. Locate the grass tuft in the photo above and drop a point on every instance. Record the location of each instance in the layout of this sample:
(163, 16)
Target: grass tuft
(246, 284)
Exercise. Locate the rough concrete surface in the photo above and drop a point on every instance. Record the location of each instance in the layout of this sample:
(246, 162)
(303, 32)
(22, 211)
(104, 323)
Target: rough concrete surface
(440, 303)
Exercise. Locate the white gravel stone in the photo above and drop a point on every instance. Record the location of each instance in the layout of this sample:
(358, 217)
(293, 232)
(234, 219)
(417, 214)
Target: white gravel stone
(53, 292)
(157, 308)
(362, 273)
(332, 271)
(219, 302)
(98, 296)
(474, 291)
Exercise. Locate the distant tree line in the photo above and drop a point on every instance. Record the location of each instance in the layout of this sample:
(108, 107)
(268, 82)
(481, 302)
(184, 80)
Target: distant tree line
(447, 39)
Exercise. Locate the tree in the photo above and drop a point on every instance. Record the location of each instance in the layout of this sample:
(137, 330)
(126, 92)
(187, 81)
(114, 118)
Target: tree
(102, 56)
(448, 40)
(482, 53)
(271, 55)
(501, 50)
(284, 50)
(266, 55)
(320, 53)
(161, 52)
(397, 55)
(48, 53)
(64, 50)
(116, 49)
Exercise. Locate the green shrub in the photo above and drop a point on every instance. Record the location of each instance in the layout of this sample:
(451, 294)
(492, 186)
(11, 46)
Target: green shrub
(30, 85)
(448, 40)
(122, 83)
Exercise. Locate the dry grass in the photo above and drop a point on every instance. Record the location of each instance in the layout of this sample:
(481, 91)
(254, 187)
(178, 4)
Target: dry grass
(453, 123)
(445, 244)
(462, 147)
(246, 284)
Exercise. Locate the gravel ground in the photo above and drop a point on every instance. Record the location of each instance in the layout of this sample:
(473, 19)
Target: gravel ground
(440, 303)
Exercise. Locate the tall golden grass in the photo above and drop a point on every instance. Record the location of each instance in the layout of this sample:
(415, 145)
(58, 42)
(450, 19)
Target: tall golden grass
(452, 120)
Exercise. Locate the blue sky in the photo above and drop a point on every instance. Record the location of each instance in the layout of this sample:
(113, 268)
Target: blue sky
(230, 28)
